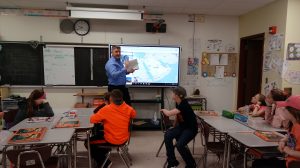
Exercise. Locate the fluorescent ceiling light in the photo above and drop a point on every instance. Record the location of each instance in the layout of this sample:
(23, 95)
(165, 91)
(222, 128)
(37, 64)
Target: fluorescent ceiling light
(104, 13)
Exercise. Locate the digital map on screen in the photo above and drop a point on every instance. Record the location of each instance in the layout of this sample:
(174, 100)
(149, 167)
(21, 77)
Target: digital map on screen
(157, 65)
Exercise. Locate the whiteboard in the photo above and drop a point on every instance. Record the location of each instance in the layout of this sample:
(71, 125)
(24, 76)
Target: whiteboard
(59, 66)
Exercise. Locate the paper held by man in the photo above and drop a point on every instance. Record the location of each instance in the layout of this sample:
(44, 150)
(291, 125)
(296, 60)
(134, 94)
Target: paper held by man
(133, 64)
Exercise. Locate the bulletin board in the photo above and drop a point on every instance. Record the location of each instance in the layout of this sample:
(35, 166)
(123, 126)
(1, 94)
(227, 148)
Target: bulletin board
(209, 64)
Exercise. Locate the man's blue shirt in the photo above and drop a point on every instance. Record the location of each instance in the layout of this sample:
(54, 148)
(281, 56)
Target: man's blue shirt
(115, 72)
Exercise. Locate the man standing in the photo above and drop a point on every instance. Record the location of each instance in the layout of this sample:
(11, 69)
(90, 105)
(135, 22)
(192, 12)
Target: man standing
(116, 73)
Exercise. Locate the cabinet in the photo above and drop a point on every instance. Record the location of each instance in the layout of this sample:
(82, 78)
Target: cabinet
(198, 103)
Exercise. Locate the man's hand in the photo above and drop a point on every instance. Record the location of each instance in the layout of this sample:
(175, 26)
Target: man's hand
(126, 65)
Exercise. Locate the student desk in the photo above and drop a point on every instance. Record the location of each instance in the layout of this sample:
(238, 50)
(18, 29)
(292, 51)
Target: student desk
(224, 126)
(258, 123)
(51, 138)
(249, 140)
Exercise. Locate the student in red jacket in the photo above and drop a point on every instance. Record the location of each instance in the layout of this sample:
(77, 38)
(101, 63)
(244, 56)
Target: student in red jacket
(115, 118)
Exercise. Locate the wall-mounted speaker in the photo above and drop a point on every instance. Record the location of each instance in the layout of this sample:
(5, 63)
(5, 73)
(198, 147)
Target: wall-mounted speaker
(154, 27)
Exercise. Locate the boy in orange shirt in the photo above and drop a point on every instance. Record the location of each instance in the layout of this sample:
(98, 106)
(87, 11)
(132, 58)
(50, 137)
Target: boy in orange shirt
(115, 118)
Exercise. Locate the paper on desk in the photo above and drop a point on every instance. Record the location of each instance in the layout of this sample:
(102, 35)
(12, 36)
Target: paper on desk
(133, 64)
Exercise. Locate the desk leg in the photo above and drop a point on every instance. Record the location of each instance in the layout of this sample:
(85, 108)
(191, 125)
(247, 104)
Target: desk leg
(4, 157)
(69, 149)
(88, 146)
(245, 158)
(228, 154)
(225, 151)
(75, 149)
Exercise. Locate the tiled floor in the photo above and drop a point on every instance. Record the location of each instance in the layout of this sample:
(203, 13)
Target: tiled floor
(143, 147)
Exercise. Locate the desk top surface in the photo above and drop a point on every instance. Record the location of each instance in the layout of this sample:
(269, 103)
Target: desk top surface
(251, 140)
(226, 125)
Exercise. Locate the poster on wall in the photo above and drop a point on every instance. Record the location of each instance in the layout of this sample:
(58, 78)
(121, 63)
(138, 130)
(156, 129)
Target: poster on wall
(275, 42)
(293, 51)
(193, 66)
(267, 61)
(214, 45)
(230, 48)
(292, 77)
(277, 63)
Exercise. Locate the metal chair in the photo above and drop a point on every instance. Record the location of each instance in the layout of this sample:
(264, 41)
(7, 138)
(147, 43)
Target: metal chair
(216, 147)
(32, 158)
(166, 124)
(121, 149)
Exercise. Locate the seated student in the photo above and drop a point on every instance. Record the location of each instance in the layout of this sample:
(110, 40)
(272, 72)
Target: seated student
(35, 105)
(290, 145)
(115, 118)
(257, 108)
(184, 132)
(272, 112)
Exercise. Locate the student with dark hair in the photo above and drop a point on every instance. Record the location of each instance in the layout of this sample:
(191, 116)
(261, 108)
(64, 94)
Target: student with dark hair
(273, 113)
(115, 118)
(290, 145)
(35, 105)
(116, 73)
(183, 132)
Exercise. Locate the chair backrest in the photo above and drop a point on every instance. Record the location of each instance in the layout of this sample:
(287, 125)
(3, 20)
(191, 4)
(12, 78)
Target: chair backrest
(130, 130)
(29, 158)
(165, 122)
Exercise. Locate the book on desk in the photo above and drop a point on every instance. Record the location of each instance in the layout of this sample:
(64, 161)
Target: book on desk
(269, 136)
(66, 122)
(28, 135)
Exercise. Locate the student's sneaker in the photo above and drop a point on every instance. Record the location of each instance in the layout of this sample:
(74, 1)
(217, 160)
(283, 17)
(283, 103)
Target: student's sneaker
(107, 164)
(173, 165)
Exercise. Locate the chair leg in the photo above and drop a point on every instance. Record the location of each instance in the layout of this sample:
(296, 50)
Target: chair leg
(106, 158)
(122, 157)
(128, 155)
(193, 146)
(165, 164)
(160, 148)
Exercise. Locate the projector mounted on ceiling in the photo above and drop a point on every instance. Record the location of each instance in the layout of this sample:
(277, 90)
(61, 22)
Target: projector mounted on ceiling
(105, 13)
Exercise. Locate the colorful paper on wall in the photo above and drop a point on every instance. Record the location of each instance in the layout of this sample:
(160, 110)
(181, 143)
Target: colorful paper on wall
(267, 61)
(275, 42)
(219, 72)
(292, 77)
(193, 66)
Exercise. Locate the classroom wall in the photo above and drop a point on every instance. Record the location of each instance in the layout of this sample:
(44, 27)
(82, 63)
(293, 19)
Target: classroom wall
(221, 93)
(259, 21)
(292, 36)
